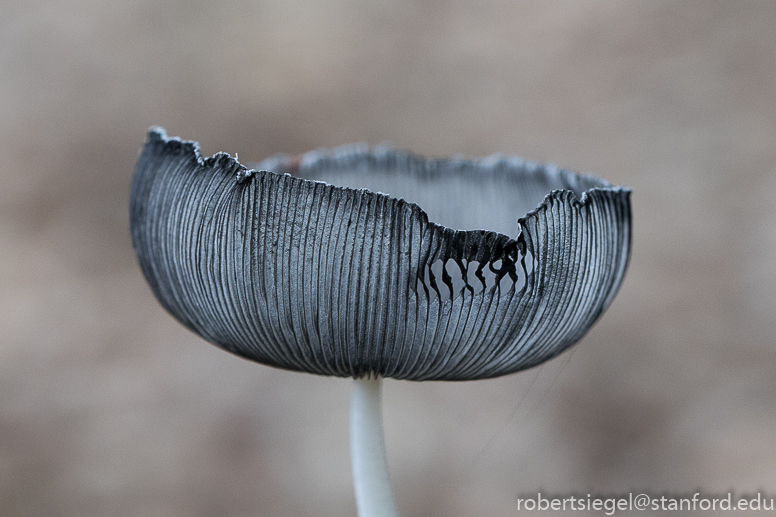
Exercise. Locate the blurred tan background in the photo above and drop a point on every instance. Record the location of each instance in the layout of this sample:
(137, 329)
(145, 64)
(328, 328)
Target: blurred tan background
(108, 407)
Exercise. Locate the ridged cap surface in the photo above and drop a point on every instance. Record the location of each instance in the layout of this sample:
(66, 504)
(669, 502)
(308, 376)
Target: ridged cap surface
(304, 275)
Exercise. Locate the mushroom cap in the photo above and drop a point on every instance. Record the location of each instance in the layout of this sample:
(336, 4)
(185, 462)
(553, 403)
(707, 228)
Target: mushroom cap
(304, 275)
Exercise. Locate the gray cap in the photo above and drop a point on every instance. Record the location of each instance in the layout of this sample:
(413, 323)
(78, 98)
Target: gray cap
(280, 266)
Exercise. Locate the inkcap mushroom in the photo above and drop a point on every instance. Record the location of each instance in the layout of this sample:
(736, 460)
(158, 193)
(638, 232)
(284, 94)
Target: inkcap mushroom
(303, 263)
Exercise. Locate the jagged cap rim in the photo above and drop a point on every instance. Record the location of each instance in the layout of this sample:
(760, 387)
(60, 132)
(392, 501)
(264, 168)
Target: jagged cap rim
(244, 173)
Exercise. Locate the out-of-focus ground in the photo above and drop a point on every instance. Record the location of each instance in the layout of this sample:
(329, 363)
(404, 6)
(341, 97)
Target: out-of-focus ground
(109, 407)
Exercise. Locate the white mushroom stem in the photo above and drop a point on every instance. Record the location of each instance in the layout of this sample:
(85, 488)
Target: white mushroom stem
(367, 451)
